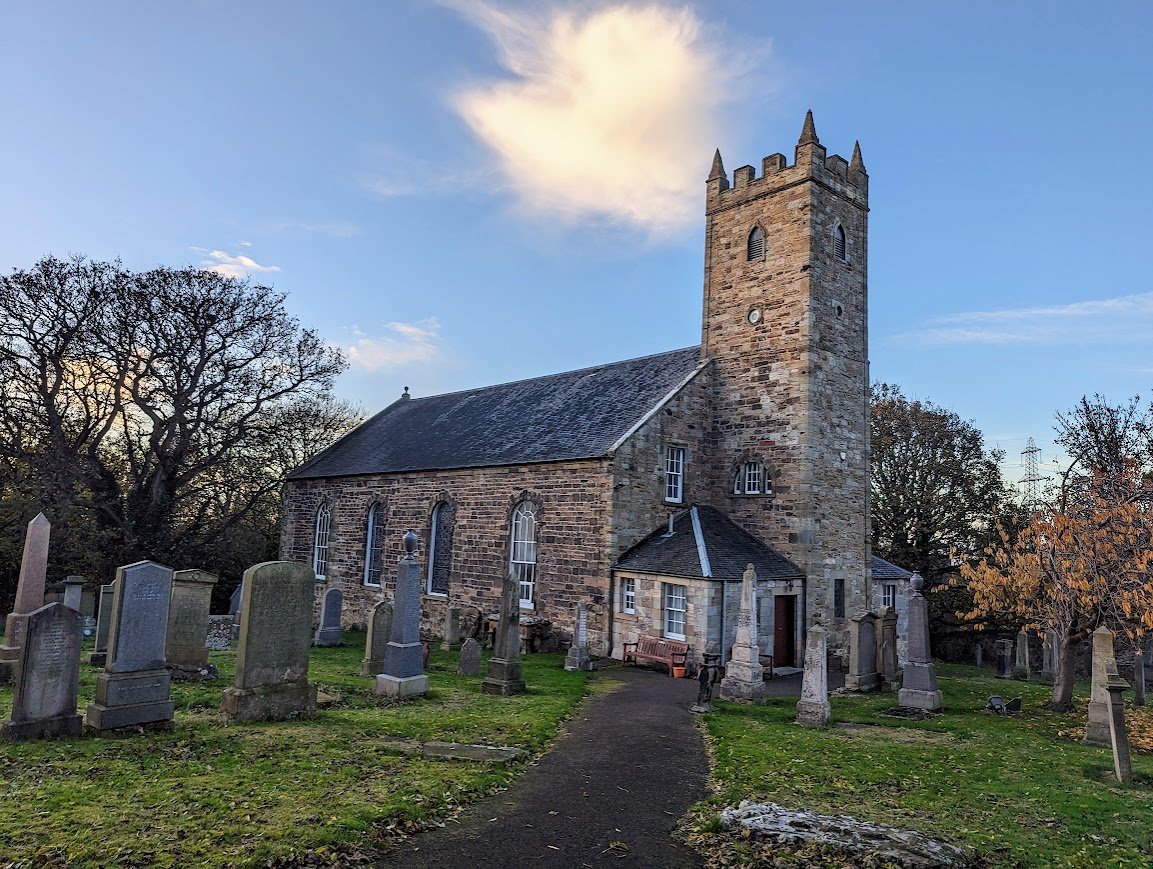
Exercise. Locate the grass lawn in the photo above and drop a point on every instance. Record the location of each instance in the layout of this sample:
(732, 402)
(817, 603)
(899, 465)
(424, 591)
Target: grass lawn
(213, 794)
(1017, 790)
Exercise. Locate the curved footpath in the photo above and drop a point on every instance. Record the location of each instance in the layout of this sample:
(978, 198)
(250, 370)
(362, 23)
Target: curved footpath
(625, 768)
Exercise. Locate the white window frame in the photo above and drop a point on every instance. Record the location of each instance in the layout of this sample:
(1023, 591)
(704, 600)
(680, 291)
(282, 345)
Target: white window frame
(889, 594)
(675, 606)
(754, 474)
(629, 595)
(675, 460)
(374, 546)
(523, 551)
(321, 534)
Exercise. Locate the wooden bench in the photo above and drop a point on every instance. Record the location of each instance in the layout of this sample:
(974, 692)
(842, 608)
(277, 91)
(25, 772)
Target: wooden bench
(672, 653)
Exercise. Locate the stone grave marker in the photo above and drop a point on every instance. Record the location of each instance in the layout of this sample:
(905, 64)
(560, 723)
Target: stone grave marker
(1050, 656)
(134, 687)
(379, 628)
(863, 675)
(275, 640)
(1118, 735)
(469, 662)
(813, 708)
(503, 675)
(578, 653)
(1005, 659)
(73, 592)
(29, 592)
(99, 654)
(234, 604)
(1139, 675)
(186, 649)
(887, 653)
(1097, 728)
(403, 672)
(47, 675)
(330, 632)
(451, 629)
(744, 675)
(1021, 666)
(919, 684)
(979, 655)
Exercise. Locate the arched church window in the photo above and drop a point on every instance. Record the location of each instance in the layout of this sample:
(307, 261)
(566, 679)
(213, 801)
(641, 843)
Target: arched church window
(522, 552)
(756, 244)
(320, 540)
(374, 545)
(440, 548)
(839, 242)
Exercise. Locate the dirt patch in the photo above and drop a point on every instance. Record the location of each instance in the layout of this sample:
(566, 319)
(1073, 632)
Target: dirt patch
(905, 735)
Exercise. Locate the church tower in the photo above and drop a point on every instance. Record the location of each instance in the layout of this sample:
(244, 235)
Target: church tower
(786, 325)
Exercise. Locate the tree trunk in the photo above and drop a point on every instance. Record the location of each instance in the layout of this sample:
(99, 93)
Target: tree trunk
(1066, 668)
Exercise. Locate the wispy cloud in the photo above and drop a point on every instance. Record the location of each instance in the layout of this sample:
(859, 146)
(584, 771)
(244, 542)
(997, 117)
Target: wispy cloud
(336, 228)
(231, 265)
(1123, 318)
(606, 114)
(421, 178)
(404, 343)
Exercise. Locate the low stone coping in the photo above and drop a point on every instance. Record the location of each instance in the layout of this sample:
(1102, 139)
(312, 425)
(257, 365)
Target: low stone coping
(458, 751)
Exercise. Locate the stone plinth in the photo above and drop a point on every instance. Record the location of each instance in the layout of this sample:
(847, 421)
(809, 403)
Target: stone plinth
(919, 682)
(403, 671)
(744, 675)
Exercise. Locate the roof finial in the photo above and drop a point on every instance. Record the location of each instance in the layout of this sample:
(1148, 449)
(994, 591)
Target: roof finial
(857, 164)
(809, 131)
(718, 170)
(406, 396)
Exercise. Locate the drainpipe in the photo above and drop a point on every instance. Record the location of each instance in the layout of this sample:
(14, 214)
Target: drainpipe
(612, 609)
(724, 607)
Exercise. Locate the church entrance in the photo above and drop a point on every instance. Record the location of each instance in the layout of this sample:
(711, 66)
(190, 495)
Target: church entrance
(784, 630)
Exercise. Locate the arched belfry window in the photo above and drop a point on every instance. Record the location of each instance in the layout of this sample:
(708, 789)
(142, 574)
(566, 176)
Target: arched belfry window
(839, 242)
(756, 245)
(374, 545)
(440, 548)
(522, 551)
(320, 540)
(753, 478)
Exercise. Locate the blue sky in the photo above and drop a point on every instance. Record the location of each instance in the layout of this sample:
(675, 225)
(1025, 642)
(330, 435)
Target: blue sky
(462, 193)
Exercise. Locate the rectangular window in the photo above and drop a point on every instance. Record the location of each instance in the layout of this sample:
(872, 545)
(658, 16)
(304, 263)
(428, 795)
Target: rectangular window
(674, 611)
(753, 478)
(889, 594)
(839, 598)
(674, 474)
(629, 595)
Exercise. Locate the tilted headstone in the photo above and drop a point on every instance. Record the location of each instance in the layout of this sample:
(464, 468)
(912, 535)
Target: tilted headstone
(744, 675)
(887, 651)
(73, 592)
(275, 640)
(1097, 728)
(919, 683)
(813, 708)
(134, 687)
(379, 628)
(863, 675)
(1021, 665)
(403, 672)
(99, 655)
(578, 653)
(47, 676)
(186, 649)
(469, 662)
(1139, 675)
(330, 633)
(29, 592)
(1118, 736)
(1005, 659)
(1050, 655)
(451, 629)
(503, 675)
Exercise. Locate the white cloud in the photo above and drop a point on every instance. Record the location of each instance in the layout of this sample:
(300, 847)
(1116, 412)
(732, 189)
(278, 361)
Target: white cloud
(406, 343)
(231, 265)
(607, 114)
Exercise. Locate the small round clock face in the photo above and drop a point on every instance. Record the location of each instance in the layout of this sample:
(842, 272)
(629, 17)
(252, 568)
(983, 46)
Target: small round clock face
(754, 316)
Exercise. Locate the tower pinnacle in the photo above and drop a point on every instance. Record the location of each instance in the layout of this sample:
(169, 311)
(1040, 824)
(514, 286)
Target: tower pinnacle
(718, 170)
(856, 163)
(809, 131)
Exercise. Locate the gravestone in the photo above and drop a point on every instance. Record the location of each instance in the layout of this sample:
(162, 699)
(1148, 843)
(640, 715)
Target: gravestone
(887, 652)
(1050, 656)
(1021, 666)
(1118, 736)
(186, 649)
(1139, 674)
(813, 708)
(99, 654)
(73, 592)
(919, 683)
(275, 640)
(578, 653)
(469, 662)
(379, 627)
(1005, 659)
(134, 687)
(503, 674)
(863, 675)
(403, 672)
(47, 675)
(744, 675)
(1097, 728)
(29, 592)
(234, 604)
(330, 632)
(451, 629)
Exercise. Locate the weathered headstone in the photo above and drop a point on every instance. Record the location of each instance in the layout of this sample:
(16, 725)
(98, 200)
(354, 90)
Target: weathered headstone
(47, 676)
(186, 649)
(1097, 727)
(1118, 735)
(330, 633)
(469, 662)
(1139, 675)
(919, 684)
(578, 653)
(813, 708)
(863, 675)
(887, 652)
(73, 592)
(29, 592)
(503, 675)
(979, 655)
(403, 671)
(1050, 656)
(451, 629)
(379, 628)
(1021, 666)
(1005, 659)
(275, 639)
(99, 655)
(744, 675)
(234, 605)
(134, 687)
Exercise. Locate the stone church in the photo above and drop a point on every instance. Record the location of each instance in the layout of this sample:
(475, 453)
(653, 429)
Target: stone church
(645, 487)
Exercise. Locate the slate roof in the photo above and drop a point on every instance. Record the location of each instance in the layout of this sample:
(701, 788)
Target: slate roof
(714, 546)
(574, 415)
(887, 570)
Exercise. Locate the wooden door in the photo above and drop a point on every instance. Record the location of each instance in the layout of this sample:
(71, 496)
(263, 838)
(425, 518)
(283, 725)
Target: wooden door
(785, 630)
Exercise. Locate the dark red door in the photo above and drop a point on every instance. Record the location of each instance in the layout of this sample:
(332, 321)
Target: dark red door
(784, 630)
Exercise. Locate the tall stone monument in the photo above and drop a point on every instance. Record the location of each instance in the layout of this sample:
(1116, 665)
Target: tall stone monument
(887, 651)
(1005, 658)
(73, 592)
(47, 675)
(275, 640)
(813, 708)
(379, 627)
(403, 671)
(1050, 656)
(186, 649)
(919, 685)
(98, 657)
(578, 653)
(1097, 728)
(134, 687)
(744, 675)
(863, 675)
(451, 629)
(29, 592)
(1118, 735)
(503, 674)
(1021, 667)
(330, 633)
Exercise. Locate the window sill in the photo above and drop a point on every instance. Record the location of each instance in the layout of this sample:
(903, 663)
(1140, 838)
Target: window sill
(680, 637)
(627, 617)
(439, 595)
